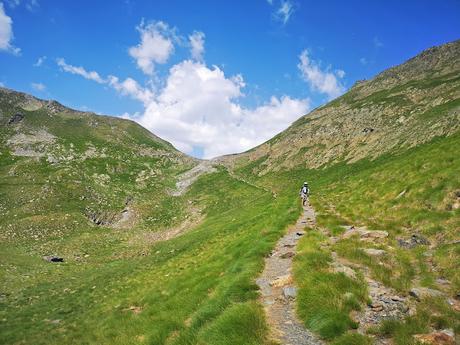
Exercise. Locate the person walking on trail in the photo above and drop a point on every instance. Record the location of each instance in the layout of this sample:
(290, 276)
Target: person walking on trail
(304, 193)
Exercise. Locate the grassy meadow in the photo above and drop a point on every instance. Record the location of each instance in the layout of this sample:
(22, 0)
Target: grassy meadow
(196, 289)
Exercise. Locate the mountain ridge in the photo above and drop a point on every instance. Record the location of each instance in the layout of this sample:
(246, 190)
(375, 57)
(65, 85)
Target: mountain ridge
(369, 120)
(25, 102)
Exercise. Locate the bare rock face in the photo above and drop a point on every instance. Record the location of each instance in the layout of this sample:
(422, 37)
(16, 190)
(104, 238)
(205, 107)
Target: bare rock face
(16, 118)
(290, 292)
(339, 268)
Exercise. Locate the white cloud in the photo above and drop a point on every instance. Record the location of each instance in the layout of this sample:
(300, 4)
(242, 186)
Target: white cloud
(6, 33)
(197, 45)
(322, 81)
(156, 46)
(91, 75)
(40, 61)
(363, 61)
(130, 87)
(38, 86)
(270, 2)
(285, 11)
(198, 107)
(2, 84)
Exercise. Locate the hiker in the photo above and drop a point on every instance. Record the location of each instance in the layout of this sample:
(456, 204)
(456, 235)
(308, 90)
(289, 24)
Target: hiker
(304, 193)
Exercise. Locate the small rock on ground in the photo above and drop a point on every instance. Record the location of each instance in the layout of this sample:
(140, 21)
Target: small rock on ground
(423, 292)
(290, 292)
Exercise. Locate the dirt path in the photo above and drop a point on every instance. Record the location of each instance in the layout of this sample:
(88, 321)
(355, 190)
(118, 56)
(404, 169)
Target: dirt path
(278, 291)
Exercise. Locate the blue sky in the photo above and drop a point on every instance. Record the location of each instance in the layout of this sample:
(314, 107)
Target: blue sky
(212, 77)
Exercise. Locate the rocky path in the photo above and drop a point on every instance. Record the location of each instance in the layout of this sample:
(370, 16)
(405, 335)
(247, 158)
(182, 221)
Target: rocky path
(278, 291)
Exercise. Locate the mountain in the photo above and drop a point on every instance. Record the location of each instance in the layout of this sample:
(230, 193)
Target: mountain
(69, 161)
(381, 263)
(402, 107)
(111, 236)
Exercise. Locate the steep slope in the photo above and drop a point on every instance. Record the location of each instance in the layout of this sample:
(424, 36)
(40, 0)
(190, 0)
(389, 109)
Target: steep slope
(400, 108)
(381, 157)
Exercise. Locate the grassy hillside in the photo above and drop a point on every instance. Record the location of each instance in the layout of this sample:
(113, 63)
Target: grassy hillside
(406, 183)
(412, 193)
(98, 192)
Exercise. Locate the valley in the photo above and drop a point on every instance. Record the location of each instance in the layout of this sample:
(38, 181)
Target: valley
(161, 248)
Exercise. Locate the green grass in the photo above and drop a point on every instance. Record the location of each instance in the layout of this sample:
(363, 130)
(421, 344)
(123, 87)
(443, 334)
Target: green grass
(352, 339)
(116, 287)
(325, 299)
(366, 194)
(193, 289)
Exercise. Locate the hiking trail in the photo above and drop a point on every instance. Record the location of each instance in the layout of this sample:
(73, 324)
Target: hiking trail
(277, 288)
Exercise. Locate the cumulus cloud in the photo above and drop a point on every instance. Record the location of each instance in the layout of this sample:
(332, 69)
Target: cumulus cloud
(197, 45)
(323, 81)
(91, 75)
(38, 86)
(155, 47)
(6, 33)
(199, 108)
(340, 73)
(285, 11)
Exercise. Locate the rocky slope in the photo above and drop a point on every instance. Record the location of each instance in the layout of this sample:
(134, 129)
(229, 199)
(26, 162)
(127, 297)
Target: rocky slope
(400, 108)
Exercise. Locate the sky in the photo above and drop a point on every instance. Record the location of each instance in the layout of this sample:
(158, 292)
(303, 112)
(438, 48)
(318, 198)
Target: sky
(211, 77)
